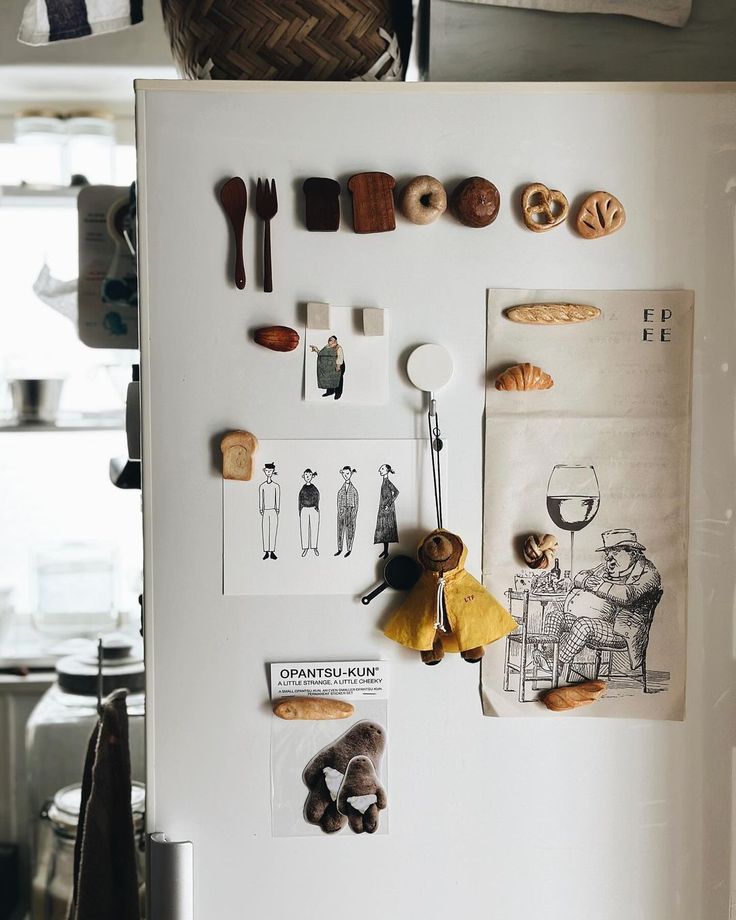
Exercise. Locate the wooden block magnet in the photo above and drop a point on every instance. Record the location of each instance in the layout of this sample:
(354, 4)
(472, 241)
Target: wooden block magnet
(318, 315)
(373, 321)
(322, 198)
(373, 202)
(238, 448)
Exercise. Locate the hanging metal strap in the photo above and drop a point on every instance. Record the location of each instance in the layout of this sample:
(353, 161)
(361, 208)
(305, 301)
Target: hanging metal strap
(435, 446)
(439, 622)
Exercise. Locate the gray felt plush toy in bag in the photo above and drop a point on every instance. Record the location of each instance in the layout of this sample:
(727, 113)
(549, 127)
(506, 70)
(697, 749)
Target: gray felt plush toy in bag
(343, 781)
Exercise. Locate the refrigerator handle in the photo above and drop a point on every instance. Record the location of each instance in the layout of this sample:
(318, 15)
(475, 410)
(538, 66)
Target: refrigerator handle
(169, 889)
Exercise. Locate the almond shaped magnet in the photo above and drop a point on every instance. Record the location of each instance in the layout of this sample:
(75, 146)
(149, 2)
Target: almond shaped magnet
(600, 215)
(277, 338)
(543, 208)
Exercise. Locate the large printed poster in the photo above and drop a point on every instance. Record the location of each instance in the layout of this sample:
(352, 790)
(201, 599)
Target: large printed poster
(601, 461)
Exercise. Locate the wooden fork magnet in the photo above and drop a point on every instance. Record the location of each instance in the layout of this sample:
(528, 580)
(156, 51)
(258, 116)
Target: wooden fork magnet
(266, 207)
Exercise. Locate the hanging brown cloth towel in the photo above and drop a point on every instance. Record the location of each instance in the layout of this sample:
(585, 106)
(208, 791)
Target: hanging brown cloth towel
(105, 878)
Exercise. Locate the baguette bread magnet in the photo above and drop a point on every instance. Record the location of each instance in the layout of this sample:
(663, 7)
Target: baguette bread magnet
(573, 696)
(551, 314)
(312, 707)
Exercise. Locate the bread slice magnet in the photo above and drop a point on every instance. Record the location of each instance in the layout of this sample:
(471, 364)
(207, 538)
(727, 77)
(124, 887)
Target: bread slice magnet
(238, 449)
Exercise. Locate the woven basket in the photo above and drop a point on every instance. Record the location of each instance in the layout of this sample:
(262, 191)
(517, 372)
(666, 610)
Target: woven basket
(283, 39)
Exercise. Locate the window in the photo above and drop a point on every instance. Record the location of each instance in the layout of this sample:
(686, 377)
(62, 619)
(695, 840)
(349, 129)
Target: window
(65, 527)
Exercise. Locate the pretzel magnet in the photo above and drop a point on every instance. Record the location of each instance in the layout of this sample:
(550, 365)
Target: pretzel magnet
(543, 208)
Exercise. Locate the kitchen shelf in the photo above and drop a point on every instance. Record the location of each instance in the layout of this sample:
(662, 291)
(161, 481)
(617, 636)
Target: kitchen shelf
(101, 423)
(39, 196)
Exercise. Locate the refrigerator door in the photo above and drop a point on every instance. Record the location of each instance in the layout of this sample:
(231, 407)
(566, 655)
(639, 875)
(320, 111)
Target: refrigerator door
(555, 818)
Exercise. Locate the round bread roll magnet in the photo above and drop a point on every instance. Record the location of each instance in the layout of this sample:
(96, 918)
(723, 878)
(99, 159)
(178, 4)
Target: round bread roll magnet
(423, 200)
(475, 202)
(430, 367)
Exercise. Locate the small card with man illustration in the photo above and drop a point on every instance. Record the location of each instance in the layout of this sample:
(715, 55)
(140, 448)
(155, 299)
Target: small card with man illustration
(344, 365)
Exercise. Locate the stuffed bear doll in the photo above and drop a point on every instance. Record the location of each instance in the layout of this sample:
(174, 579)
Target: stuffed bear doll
(324, 773)
(361, 795)
(448, 610)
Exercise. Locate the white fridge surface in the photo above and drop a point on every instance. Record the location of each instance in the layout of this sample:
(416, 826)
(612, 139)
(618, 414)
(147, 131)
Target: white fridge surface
(561, 819)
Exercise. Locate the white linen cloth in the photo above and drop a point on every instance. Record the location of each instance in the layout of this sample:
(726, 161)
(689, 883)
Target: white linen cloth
(667, 12)
(46, 21)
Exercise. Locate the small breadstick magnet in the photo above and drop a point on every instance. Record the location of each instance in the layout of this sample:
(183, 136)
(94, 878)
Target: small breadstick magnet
(238, 448)
(551, 314)
(574, 696)
(312, 708)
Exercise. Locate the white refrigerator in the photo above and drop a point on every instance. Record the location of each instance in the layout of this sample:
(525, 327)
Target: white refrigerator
(551, 818)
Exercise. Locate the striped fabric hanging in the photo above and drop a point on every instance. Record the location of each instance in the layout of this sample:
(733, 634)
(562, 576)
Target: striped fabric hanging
(47, 21)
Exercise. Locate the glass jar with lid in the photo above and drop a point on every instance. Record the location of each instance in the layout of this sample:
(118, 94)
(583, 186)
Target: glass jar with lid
(53, 880)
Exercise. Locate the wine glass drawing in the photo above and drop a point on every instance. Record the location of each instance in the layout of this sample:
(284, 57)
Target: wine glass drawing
(573, 499)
